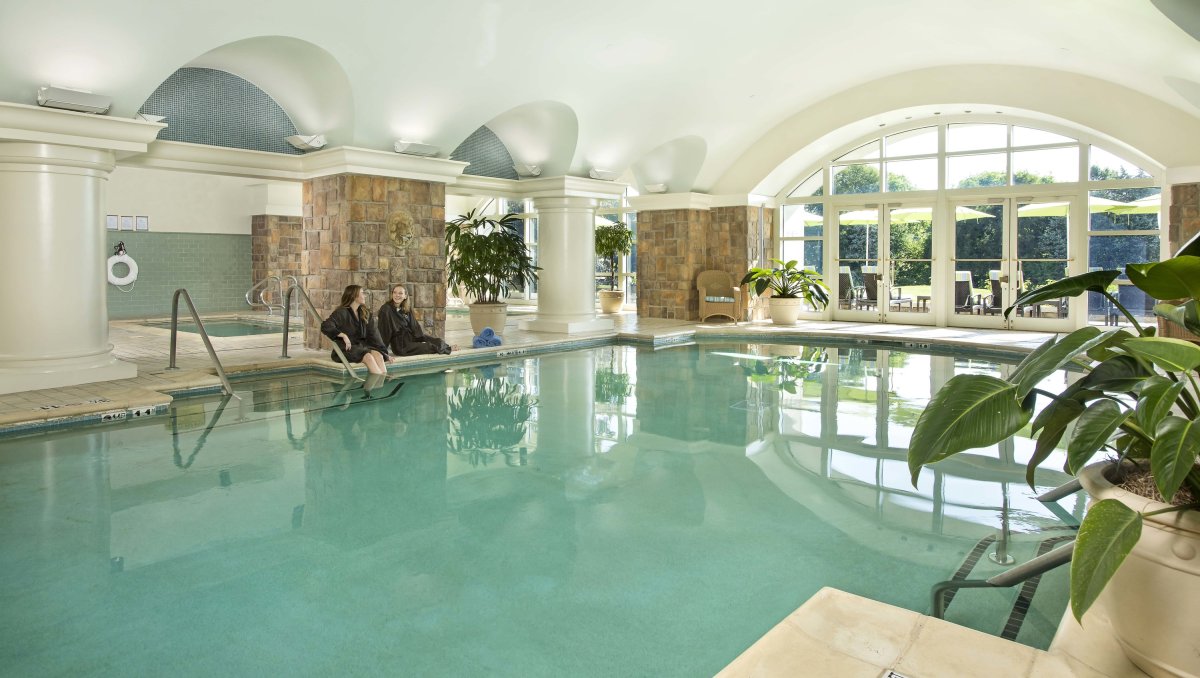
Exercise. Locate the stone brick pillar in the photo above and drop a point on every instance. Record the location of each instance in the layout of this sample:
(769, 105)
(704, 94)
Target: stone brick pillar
(374, 231)
(671, 252)
(275, 246)
(1184, 214)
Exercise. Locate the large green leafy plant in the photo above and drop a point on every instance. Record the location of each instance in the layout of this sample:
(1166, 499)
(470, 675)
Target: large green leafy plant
(1138, 401)
(787, 281)
(613, 240)
(487, 257)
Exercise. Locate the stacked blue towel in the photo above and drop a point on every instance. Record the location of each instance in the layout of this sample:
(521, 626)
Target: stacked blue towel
(486, 338)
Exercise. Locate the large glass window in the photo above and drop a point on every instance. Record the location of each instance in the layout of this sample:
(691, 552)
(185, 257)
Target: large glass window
(609, 211)
(968, 159)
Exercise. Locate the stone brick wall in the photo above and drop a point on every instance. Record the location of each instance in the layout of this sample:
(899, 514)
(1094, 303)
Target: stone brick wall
(1184, 214)
(671, 252)
(347, 242)
(275, 245)
(675, 245)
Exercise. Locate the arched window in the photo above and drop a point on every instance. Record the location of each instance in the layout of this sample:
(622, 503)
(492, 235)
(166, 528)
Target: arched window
(896, 205)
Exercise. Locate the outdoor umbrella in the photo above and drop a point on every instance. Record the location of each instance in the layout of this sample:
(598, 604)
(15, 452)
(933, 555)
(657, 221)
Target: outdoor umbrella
(1059, 209)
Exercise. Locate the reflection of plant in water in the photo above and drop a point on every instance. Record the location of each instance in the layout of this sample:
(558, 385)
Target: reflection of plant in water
(611, 387)
(787, 371)
(487, 417)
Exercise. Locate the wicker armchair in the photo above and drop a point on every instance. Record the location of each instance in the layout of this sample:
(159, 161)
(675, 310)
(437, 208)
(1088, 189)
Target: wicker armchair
(718, 295)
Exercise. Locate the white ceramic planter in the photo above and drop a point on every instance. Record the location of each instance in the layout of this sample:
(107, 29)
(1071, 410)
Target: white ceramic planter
(488, 315)
(611, 301)
(785, 311)
(1157, 589)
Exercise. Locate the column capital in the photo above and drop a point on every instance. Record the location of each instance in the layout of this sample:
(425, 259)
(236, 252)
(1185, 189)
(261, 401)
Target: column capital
(567, 186)
(20, 122)
(564, 203)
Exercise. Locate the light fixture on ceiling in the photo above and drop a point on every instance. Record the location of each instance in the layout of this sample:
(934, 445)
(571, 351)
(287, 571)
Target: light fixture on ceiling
(73, 100)
(306, 142)
(655, 188)
(527, 169)
(147, 117)
(415, 148)
(602, 175)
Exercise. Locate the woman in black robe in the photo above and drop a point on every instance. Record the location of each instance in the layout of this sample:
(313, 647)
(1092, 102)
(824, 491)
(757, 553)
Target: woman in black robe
(350, 323)
(401, 331)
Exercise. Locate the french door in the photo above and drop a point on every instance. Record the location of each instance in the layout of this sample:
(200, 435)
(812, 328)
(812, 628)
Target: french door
(884, 259)
(1004, 247)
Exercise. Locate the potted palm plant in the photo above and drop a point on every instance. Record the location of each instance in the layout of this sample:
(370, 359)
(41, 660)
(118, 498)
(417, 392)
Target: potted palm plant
(1138, 401)
(487, 257)
(613, 239)
(791, 288)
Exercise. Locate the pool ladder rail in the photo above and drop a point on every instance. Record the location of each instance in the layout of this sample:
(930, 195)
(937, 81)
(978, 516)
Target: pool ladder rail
(262, 286)
(1027, 574)
(225, 385)
(294, 286)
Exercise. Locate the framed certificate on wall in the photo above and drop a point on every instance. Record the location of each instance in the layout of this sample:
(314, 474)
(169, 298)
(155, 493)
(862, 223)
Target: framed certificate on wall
(110, 222)
(126, 223)
(141, 223)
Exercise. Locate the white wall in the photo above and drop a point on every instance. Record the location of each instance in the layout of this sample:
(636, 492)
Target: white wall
(183, 202)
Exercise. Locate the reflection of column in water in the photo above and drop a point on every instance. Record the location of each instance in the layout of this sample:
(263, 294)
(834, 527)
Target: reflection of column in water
(566, 410)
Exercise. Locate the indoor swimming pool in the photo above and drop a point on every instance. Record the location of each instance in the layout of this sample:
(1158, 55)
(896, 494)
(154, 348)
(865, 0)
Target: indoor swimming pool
(621, 510)
(228, 327)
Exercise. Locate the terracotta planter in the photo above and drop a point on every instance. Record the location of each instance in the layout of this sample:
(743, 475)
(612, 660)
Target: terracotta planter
(488, 315)
(611, 301)
(1157, 588)
(785, 311)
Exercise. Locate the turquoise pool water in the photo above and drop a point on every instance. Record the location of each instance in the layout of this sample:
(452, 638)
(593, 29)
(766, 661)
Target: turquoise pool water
(226, 328)
(611, 511)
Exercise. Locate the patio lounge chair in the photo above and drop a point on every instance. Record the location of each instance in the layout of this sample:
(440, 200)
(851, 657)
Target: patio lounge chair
(848, 292)
(964, 301)
(871, 283)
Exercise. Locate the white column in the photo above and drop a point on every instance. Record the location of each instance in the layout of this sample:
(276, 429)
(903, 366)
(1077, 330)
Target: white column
(53, 268)
(566, 253)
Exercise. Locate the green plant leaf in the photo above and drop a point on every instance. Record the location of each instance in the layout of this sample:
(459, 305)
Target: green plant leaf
(1052, 355)
(1176, 444)
(1171, 279)
(1172, 355)
(1155, 401)
(1073, 286)
(1103, 351)
(971, 410)
(1185, 315)
(1053, 422)
(1108, 533)
(1096, 425)
(1120, 374)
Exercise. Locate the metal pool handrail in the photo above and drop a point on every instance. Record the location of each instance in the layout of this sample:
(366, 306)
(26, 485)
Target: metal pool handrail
(263, 284)
(287, 306)
(203, 335)
(1027, 570)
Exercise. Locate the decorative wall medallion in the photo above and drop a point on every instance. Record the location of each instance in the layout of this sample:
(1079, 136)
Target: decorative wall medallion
(400, 228)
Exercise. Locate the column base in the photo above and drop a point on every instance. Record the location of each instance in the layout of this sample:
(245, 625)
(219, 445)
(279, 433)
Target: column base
(571, 324)
(39, 374)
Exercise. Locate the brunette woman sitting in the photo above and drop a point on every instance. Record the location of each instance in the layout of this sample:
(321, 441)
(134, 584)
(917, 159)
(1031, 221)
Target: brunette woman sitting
(350, 324)
(401, 331)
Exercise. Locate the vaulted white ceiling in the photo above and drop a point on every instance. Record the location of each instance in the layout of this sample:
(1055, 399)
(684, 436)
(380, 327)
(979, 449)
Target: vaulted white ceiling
(644, 80)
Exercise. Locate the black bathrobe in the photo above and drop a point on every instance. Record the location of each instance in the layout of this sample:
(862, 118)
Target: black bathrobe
(363, 335)
(403, 334)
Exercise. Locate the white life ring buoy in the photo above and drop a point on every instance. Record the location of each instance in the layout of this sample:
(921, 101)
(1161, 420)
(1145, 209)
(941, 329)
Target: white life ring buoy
(129, 277)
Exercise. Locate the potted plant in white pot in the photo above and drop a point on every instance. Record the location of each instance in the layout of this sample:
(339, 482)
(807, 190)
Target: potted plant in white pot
(1139, 400)
(487, 257)
(791, 288)
(613, 239)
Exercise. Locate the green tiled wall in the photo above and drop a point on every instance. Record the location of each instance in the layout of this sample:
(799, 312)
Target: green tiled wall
(215, 269)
